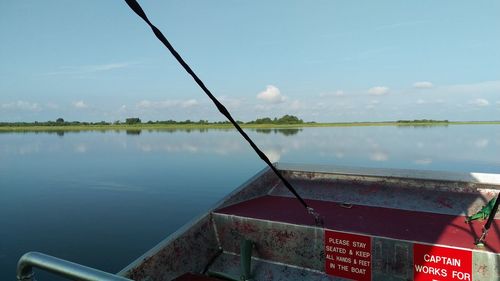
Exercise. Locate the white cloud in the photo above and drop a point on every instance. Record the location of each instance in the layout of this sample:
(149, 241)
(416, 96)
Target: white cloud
(479, 102)
(378, 90)
(105, 67)
(230, 102)
(123, 109)
(295, 105)
(189, 103)
(22, 105)
(51, 105)
(83, 69)
(436, 101)
(271, 95)
(423, 85)
(147, 104)
(372, 104)
(475, 88)
(80, 104)
(338, 93)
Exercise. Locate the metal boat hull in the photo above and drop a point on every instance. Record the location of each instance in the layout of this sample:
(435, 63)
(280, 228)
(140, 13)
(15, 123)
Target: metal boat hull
(379, 225)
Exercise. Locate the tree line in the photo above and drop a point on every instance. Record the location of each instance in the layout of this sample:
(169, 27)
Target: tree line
(285, 119)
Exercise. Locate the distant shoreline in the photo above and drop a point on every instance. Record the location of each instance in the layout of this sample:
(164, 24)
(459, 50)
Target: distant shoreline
(145, 126)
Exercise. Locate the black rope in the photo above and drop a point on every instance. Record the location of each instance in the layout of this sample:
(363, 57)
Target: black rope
(140, 12)
(493, 213)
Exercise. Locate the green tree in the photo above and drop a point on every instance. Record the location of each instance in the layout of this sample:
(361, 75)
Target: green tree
(132, 121)
(265, 120)
(289, 119)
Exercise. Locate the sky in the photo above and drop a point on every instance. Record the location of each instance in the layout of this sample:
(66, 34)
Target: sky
(324, 61)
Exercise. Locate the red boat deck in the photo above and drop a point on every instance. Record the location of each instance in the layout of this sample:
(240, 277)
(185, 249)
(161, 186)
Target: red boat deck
(376, 221)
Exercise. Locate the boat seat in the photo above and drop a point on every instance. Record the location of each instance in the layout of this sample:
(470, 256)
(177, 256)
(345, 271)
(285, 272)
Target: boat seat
(257, 214)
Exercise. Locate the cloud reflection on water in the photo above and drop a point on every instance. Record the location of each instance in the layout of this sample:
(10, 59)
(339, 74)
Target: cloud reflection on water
(354, 146)
(273, 155)
(480, 143)
(424, 161)
(81, 148)
(379, 156)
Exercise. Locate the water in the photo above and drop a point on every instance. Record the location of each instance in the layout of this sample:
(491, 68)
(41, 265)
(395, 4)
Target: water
(104, 198)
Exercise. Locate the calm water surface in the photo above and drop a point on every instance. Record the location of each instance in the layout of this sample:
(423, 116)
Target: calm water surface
(104, 198)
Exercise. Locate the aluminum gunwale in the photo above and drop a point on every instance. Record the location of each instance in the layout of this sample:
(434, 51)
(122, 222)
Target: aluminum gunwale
(355, 233)
(471, 177)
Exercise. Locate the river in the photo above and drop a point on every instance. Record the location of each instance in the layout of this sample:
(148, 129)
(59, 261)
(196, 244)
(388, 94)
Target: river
(104, 198)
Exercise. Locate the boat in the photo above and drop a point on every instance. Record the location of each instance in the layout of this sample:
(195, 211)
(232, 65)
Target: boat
(377, 224)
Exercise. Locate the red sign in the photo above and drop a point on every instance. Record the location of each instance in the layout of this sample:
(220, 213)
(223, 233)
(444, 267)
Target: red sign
(348, 255)
(434, 263)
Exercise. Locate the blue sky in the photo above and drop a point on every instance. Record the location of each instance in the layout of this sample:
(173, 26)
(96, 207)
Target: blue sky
(320, 60)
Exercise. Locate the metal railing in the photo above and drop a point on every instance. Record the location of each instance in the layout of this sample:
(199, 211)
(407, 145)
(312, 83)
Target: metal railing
(64, 268)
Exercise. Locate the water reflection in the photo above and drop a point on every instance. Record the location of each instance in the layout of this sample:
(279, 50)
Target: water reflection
(285, 132)
(480, 143)
(379, 156)
(440, 148)
(110, 186)
(168, 147)
(137, 131)
(339, 154)
(81, 148)
(28, 149)
(37, 132)
(424, 161)
(423, 126)
(133, 132)
(273, 155)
